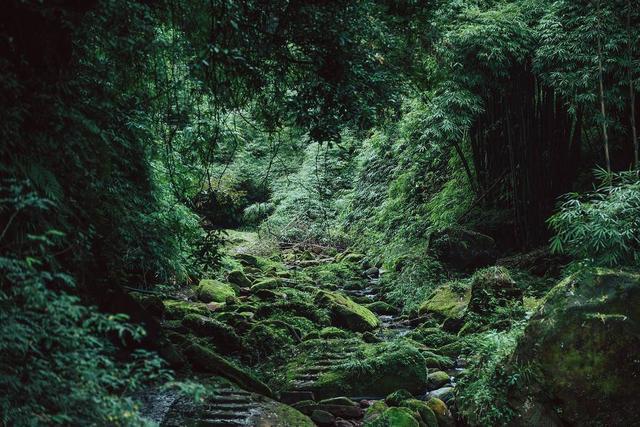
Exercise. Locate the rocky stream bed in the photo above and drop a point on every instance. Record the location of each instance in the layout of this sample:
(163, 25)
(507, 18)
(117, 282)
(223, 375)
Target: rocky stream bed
(307, 336)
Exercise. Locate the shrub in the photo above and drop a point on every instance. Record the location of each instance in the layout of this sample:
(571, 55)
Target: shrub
(601, 227)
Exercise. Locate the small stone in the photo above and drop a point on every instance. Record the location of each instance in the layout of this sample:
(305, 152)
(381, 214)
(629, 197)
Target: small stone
(343, 423)
(323, 418)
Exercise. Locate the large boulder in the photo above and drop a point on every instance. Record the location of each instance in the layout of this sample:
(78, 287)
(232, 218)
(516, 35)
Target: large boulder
(360, 369)
(462, 249)
(209, 290)
(345, 313)
(584, 342)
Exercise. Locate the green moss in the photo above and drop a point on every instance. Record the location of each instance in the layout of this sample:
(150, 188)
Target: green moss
(381, 307)
(337, 273)
(437, 379)
(347, 314)
(372, 370)
(209, 290)
(222, 336)
(177, 309)
(491, 288)
(267, 283)
(583, 341)
(265, 339)
(332, 332)
(397, 397)
(238, 278)
(441, 411)
(427, 415)
(280, 415)
(447, 302)
(394, 417)
(205, 360)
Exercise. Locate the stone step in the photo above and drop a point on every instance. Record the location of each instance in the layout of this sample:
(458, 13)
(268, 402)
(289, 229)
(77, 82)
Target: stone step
(212, 422)
(219, 414)
(234, 391)
(302, 385)
(231, 399)
(224, 406)
(312, 369)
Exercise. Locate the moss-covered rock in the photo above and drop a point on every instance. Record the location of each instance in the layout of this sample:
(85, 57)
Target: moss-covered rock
(239, 279)
(347, 314)
(268, 283)
(151, 303)
(205, 360)
(584, 341)
(381, 307)
(437, 379)
(332, 332)
(394, 417)
(209, 290)
(447, 302)
(375, 410)
(265, 338)
(371, 370)
(427, 416)
(441, 411)
(247, 260)
(222, 335)
(397, 397)
(177, 309)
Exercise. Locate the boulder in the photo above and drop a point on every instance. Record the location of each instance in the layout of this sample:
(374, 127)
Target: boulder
(239, 279)
(437, 379)
(441, 411)
(323, 418)
(381, 307)
(247, 260)
(386, 367)
(393, 417)
(267, 283)
(584, 341)
(427, 416)
(177, 309)
(462, 249)
(209, 290)
(447, 302)
(345, 313)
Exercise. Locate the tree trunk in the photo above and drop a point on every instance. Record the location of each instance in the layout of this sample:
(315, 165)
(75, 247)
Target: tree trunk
(605, 135)
(632, 94)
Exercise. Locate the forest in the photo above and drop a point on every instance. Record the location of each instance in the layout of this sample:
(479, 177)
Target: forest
(299, 213)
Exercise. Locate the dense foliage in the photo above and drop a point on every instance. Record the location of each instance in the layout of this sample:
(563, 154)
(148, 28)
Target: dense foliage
(134, 133)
